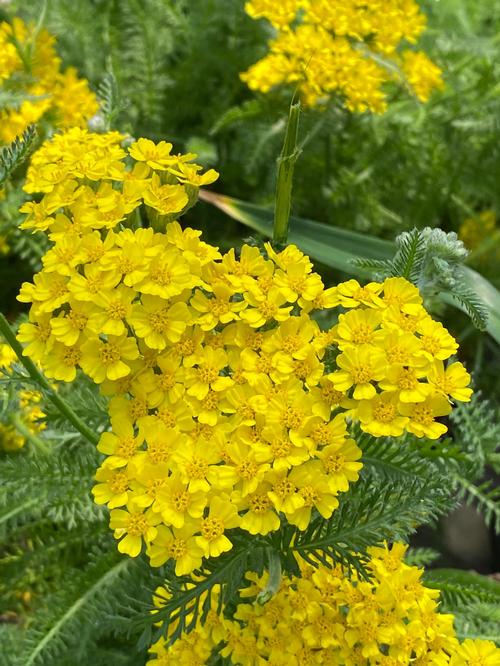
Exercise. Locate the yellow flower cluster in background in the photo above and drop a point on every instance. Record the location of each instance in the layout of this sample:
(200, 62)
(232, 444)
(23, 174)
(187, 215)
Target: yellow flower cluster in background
(350, 49)
(474, 230)
(4, 245)
(27, 409)
(227, 401)
(327, 617)
(480, 233)
(30, 71)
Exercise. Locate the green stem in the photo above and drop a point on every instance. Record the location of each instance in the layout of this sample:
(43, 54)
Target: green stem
(286, 165)
(25, 59)
(38, 28)
(28, 53)
(39, 379)
(18, 509)
(21, 427)
(274, 581)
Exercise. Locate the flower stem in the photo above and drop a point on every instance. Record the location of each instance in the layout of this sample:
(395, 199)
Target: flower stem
(274, 581)
(21, 427)
(42, 382)
(286, 165)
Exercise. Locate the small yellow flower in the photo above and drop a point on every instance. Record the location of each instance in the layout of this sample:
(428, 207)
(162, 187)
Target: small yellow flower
(157, 156)
(108, 359)
(7, 356)
(381, 416)
(133, 526)
(178, 544)
(112, 487)
(166, 199)
(222, 516)
(360, 367)
(435, 340)
(121, 446)
(452, 381)
(476, 653)
(340, 462)
(422, 416)
(177, 504)
(157, 323)
(260, 516)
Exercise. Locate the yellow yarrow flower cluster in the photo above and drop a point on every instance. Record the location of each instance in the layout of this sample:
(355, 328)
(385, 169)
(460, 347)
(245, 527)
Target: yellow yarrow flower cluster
(391, 360)
(30, 68)
(350, 49)
(28, 408)
(327, 617)
(478, 230)
(220, 414)
(224, 411)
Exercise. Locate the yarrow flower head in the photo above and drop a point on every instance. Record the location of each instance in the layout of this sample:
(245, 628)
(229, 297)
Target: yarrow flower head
(350, 49)
(227, 406)
(31, 70)
(325, 616)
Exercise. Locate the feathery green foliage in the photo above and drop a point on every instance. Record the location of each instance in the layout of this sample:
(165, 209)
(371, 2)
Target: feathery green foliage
(12, 156)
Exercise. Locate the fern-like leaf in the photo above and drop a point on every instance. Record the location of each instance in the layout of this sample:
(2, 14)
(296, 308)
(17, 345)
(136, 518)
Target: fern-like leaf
(484, 497)
(87, 593)
(189, 603)
(372, 511)
(58, 489)
(476, 309)
(478, 620)
(460, 589)
(421, 557)
(109, 97)
(13, 155)
(409, 259)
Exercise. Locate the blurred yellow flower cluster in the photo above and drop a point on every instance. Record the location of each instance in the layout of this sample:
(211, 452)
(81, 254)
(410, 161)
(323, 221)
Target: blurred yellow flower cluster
(474, 230)
(27, 409)
(349, 49)
(327, 617)
(4, 245)
(480, 233)
(30, 72)
(224, 410)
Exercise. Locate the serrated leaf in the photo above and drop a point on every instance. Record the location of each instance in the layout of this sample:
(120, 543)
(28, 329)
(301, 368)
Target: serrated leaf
(460, 588)
(13, 155)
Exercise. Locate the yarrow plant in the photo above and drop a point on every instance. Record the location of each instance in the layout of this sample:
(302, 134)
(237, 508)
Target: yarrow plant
(323, 616)
(259, 442)
(349, 49)
(228, 403)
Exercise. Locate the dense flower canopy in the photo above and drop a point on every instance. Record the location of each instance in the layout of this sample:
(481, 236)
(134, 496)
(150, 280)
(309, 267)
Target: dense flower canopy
(325, 616)
(228, 402)
(350, 49)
